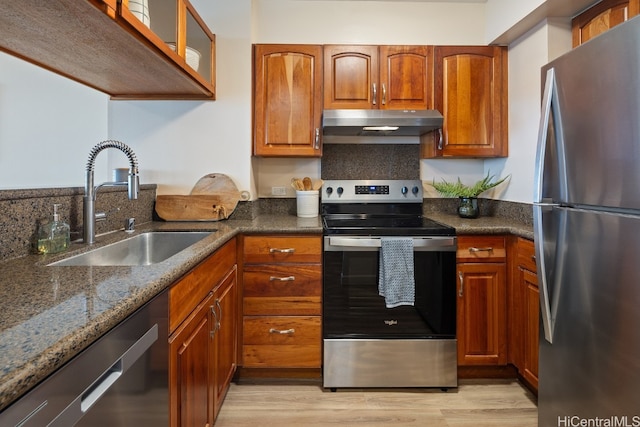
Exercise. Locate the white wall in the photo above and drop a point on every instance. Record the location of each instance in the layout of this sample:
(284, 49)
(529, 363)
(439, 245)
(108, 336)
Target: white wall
(48, 125)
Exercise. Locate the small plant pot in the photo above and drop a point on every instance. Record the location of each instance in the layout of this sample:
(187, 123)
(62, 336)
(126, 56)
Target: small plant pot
(468, 207)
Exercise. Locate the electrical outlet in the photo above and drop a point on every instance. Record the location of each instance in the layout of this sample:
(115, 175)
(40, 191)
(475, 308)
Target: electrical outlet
(278, 191)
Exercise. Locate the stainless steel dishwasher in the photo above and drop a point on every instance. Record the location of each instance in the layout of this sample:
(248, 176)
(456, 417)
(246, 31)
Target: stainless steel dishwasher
(120, 380)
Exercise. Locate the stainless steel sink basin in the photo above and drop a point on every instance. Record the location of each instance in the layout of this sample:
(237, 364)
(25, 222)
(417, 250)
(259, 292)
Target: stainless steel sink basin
(142, 249)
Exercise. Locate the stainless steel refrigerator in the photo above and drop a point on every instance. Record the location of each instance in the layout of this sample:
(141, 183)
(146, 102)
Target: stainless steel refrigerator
(587, 233)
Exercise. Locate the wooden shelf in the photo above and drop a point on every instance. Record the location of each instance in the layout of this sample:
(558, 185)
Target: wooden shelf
(89, 42)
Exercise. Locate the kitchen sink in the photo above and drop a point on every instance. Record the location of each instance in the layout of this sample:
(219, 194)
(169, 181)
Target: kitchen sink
(143, 249)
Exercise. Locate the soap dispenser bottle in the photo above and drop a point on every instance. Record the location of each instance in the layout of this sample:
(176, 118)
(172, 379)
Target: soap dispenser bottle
(54, 236)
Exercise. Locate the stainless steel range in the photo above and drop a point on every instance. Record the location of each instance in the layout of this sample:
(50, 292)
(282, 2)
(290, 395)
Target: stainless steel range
(366, 343)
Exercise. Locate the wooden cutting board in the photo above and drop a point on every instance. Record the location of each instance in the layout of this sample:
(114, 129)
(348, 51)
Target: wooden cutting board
(214, 197)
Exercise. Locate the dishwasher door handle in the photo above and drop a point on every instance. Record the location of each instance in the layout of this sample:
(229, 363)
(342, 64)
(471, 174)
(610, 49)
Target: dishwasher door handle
(81, 404)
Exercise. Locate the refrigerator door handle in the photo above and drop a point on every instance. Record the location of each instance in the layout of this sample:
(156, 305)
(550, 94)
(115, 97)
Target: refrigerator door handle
(543, 131)
(550, 147)
(545, 306)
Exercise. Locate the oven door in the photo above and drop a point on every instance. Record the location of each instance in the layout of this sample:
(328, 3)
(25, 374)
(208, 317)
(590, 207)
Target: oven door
(352, 307)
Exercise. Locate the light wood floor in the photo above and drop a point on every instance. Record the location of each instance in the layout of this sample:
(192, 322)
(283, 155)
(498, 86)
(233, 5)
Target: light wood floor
(477, 403)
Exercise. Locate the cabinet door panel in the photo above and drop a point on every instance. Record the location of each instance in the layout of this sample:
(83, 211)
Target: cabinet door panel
(288, 100)
(471, 93)
(532, 328)
(481, 327)
(602, 17)
(406, 77)
(350, 73)
(191, 391)
(225, 338)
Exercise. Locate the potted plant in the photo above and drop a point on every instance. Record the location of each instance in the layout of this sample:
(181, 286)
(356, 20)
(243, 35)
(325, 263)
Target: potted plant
(468, 194)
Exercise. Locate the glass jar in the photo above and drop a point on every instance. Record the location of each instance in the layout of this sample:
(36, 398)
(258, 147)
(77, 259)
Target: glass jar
(468, 207)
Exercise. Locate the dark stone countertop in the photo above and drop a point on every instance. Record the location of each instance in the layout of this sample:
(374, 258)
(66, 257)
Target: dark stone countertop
(50, 314)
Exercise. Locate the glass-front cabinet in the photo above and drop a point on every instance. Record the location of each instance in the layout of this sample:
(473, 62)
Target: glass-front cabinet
(128, 49)
(175, 27)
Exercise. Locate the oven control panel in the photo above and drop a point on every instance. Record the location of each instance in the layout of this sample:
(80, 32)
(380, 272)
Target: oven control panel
(372, 191)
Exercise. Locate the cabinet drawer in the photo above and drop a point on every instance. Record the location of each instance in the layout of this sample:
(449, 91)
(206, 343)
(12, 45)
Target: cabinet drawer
(481, 249)
(285, 341)
(526, 255)
(282, 249)
(278, 280)
(282, 290)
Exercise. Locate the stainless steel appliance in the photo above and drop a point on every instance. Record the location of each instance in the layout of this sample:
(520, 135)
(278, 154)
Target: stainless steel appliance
(587, 224)
(353, 122)
(367, 344)
(119, 381)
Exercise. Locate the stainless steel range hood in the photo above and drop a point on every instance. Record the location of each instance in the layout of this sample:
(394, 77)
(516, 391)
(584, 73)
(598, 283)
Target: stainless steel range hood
(380, 122)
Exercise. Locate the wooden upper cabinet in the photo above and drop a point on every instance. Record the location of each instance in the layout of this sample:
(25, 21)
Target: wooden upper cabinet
(470, 90)
(602, 17)
(101, 44)
(287, 100)
(382, 77)
(350, 76)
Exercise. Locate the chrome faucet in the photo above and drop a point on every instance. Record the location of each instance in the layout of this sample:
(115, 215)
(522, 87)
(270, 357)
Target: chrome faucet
(133, 185)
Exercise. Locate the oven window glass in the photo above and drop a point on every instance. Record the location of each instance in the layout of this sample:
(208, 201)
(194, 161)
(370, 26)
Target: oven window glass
(352, 307)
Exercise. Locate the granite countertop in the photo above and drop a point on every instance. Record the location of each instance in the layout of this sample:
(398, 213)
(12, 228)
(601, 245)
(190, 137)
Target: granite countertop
(50, 314)
(485, 225)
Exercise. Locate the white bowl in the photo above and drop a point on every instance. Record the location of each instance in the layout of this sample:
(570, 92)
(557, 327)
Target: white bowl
(140, 10)
(192, 56)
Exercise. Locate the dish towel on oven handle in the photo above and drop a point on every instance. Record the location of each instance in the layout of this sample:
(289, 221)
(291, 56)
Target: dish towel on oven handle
(396, 281)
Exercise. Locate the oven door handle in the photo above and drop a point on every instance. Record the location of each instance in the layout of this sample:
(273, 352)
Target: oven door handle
(376, 242)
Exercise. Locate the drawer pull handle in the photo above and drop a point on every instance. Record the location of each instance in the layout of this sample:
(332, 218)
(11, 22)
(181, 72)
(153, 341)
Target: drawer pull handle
(282, 279)
(282, 332)
(461, 289)
(533, 258)
(281, 250)
(487, 249)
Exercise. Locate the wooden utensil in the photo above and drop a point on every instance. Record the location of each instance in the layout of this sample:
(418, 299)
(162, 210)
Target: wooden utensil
(297, 184)
(318, 184)
(306, 181)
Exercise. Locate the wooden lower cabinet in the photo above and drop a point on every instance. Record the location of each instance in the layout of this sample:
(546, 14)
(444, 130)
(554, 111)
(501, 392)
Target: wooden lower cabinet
(192, 397)
(203, 343)
(282, 292)
(524, 312)
(481, 305)
(282, 341)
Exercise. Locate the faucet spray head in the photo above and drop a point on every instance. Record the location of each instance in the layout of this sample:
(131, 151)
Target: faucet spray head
(134, 184)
